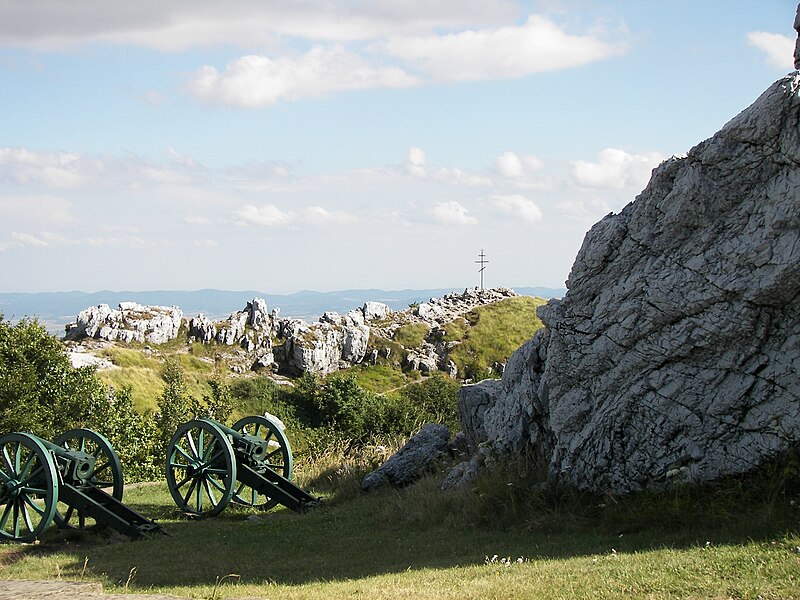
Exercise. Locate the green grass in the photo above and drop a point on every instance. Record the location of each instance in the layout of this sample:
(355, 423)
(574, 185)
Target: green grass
(496, 331)
(142, 372)
(418, 543)
(382, 378)
(411, 335)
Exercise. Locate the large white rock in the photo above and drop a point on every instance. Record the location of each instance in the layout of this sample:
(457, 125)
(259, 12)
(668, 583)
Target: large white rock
(131, 322)
(676, 349)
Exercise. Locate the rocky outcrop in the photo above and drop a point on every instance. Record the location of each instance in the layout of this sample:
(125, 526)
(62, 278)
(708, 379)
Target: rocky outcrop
(130, 322)
(334, 342)
(434, 354)
(676, 349)
(257, 338)
(202, 329)
(418, 457)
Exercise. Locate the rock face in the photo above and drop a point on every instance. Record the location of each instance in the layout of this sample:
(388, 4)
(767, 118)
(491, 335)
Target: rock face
(676, 350)
(130, 322)
(335, 341)
(413, 460)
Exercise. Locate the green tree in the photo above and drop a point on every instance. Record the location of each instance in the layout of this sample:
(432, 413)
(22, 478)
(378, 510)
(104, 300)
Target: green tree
(221, 403)
(306, 398)
(133, 437)
(40, 390)
(175, 407)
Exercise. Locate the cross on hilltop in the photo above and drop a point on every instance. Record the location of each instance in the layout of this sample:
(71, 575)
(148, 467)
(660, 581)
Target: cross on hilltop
(482, 262)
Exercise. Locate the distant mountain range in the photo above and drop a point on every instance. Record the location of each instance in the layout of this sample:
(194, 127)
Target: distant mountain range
(55, 310)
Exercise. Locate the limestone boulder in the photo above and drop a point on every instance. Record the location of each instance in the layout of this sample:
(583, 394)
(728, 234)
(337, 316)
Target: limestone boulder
(677, 346)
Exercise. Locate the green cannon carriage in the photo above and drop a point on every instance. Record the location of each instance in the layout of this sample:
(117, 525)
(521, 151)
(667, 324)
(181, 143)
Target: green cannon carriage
(210, 465)
(76, 478)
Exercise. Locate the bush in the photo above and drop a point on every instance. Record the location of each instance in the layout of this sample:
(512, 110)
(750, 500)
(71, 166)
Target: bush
(134, 438)
(40, 391)
(434, 400)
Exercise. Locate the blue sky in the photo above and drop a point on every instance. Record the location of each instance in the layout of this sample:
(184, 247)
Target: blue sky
(280, 146)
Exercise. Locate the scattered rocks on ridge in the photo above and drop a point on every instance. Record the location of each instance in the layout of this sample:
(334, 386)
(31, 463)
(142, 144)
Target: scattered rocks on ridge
(258, 338)
(675, 352)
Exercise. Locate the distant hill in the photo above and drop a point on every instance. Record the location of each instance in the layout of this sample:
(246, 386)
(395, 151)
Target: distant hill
(55, 309)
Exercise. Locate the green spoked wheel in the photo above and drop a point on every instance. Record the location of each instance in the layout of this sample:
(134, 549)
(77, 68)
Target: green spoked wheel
(106, 474)
(201, 468)
(278, 458)
(28, 487)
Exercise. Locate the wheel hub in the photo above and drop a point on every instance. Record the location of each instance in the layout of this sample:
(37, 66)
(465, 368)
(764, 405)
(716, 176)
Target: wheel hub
(14, 488)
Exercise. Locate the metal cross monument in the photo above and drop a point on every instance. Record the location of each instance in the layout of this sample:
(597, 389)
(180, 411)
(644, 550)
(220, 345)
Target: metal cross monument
(482, 262)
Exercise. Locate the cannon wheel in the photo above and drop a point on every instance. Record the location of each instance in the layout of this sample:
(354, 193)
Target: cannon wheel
(279, 458)
(201, 468)
(28, 487)
(107, 473)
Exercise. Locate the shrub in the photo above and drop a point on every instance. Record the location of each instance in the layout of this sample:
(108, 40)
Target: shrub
(435, 400)
(40, 391)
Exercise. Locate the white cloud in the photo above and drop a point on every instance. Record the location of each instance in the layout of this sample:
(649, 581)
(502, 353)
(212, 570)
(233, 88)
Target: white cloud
(181, 24)
(164, 176)
(518, 207)
(52, 169)
(415, 161)
(27, 239)
(616, 169)
(316, 215)
(198, 220)
(537, 46)
(513, 166)
(267, 215)
(779, 49)
(456, 176)
(452, 213)
(255, 81)
(206, 243)
(39, 209)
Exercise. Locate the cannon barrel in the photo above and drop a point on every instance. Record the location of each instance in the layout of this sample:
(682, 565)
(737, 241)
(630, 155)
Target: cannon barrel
(249, 447)
(76, 466)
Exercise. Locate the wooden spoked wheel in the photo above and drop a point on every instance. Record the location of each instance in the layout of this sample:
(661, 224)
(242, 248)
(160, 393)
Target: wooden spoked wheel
(278, 458)
(106, 474)
(201, 468)
(28, 487)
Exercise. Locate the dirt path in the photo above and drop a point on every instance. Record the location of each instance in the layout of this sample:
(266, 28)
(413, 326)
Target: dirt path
(67, 590)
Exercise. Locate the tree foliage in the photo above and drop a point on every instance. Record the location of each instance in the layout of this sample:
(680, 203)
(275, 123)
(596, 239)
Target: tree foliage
(40, 391)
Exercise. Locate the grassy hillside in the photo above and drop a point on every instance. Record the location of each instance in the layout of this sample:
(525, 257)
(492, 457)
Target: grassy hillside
(141, 370)
(490, 334)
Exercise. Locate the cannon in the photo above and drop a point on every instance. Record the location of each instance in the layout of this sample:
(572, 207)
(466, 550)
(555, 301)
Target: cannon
(75, 478)
(210, 465)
